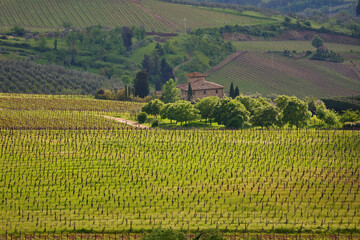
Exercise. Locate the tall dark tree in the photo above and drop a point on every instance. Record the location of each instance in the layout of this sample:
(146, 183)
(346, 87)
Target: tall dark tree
(358, 9)
(141, 84)
(232, 91)
(147, 64)
(156, 66)
(190, 93)
(236, 92)
(127, 37)
(166, 72)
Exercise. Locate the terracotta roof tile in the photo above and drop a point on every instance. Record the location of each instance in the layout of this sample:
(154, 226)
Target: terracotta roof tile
(196, 74)
(200, 86)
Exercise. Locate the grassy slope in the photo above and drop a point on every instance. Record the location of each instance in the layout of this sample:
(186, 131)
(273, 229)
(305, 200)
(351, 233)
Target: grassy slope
(269, 73)
(51, 14)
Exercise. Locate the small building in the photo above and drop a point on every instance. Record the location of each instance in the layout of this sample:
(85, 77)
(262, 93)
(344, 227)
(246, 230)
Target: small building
(200, 87)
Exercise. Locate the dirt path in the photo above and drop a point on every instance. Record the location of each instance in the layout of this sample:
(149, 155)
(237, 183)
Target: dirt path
(165, 21)
(227, 60)
(131, 123)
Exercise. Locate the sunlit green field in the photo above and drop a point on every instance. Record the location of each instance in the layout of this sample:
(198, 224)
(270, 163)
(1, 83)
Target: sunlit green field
(65, 168)
(113, 180)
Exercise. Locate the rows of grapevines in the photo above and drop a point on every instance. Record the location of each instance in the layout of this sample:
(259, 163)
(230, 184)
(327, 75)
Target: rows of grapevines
(40, 119)
(270, 73)
(198, 17)
(299, 46)
(133, 179)
(69, 103)
(52, 14)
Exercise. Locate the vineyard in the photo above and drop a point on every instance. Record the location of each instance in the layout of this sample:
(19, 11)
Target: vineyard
(199, 17)
(113, 180)
(65, 169)
(47, 15)
(153, 15)
(267, 74)
(20, 111)
(298, 46)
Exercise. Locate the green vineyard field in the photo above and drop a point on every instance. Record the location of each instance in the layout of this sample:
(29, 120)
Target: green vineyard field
(268, 74)
(47, 15)
(115, 180)
(41, 15)
(298, 46)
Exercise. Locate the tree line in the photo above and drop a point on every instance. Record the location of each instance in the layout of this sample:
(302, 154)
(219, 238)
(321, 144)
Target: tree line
(246, 111)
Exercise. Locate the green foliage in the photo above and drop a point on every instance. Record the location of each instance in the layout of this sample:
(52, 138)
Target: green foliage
(190, 93)
(294, 111)
(352, 125)
(127, 37)
(138, 33)
(166, 72)
(350, 116)
(141, 84)
(265, 116)
(180, 111)
(211, 235)
(153, 107)
(18, 31)
(232, 91)
(327, 56)
(343, 103)
(170, 93)
(164, 234)
(231, 113)
(207, 107)
(142, 117)
(317, 42)
(155, 123)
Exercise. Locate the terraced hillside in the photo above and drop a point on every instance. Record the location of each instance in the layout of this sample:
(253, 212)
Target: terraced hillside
(153, 15)
(273, 74)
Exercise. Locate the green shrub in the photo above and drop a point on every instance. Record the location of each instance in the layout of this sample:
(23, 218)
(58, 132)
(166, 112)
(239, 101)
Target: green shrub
(164, 234)
(142, 117)
(352, 125)
(155, 124)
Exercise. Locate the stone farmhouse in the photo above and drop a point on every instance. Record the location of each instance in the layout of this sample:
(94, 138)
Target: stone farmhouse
(200, 87)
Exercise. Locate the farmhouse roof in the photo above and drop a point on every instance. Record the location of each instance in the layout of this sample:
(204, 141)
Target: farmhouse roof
(200, 86)
(196, 74)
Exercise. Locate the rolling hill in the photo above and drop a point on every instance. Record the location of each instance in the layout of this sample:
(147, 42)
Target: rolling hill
(50, 15)
(266, 73)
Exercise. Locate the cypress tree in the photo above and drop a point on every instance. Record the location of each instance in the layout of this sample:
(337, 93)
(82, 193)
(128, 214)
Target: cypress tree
(236, 93)
(166, 72)
(141, 84)
(190, 93)
(358, 9)
(232, 91)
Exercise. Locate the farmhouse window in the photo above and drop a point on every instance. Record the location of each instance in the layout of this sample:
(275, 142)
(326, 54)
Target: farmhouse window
(204, 91)
(216, 91)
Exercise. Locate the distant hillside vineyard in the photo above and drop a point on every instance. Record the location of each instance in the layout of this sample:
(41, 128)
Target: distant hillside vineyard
(268, 74)
(29, 77)
(152, 15)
